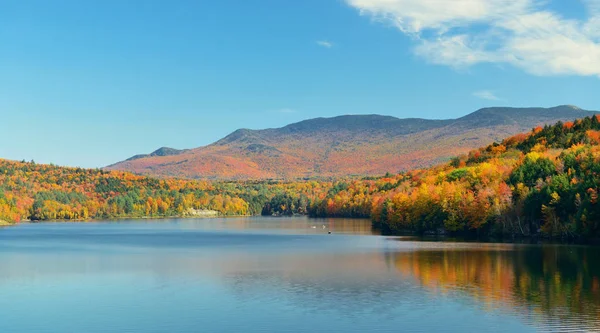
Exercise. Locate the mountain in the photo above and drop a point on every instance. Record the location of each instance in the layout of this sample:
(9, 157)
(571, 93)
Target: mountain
(163, 151)
(344, 145)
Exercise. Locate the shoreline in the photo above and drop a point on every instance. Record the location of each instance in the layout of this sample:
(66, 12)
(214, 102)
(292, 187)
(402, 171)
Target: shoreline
(110, 219)
(523, 240)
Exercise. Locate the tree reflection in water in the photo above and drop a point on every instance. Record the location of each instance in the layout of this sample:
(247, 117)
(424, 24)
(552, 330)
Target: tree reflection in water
(551, 284)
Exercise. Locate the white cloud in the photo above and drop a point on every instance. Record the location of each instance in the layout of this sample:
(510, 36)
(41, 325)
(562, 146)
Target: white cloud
(325, 43)
(457, 51)
(486, 94)
(523, 33)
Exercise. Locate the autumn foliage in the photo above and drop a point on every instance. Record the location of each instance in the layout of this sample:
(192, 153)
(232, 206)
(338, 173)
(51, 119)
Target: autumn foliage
(541, 183)
(544, 182)
(30, 191)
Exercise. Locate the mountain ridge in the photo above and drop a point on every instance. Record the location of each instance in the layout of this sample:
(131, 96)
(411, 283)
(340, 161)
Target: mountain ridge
(346, 145)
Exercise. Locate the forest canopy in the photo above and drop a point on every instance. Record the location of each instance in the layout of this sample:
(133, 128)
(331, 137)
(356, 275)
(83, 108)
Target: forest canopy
(544, 182)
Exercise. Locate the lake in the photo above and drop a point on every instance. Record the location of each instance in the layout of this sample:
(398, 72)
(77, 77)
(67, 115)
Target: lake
(284, 275)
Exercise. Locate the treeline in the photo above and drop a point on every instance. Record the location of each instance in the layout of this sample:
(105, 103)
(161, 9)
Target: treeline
(542, 183)
(30, 191)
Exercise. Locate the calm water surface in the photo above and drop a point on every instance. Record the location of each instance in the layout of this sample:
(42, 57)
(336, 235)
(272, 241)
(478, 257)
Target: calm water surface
(284, 275)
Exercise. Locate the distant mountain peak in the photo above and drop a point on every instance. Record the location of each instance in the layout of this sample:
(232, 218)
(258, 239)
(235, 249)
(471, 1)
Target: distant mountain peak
(345, 145)
(573, 107)
(162, 151)
(240, 135)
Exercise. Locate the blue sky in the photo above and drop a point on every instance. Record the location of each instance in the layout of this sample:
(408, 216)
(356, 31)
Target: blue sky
(89, 83)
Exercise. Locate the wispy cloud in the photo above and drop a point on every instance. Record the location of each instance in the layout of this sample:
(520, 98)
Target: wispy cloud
(286, 110)
(486, 94)
(325, 43)
(523, 33)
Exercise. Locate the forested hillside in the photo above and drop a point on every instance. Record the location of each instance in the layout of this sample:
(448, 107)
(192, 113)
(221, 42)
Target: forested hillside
(352, 145)
(46, 192)
(544, 182)
(541, 183)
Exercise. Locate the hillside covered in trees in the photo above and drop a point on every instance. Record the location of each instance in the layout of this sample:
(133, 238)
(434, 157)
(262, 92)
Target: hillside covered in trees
(351, 145)
(30, 191)
(541, 183)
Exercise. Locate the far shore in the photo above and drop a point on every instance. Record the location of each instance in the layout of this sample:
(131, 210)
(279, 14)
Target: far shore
(120, 218)
(108, 219)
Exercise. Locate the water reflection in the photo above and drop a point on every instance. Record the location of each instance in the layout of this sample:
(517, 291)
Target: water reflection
(296, 225)
(239, 274)
(556, 286)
